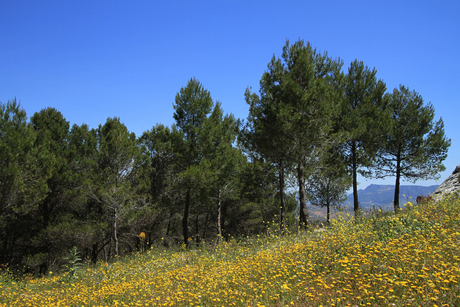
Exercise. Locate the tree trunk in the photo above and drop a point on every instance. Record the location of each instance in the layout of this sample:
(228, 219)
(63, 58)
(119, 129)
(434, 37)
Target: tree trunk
(303, 212)
(328, 212)
(398, 177)
(168, 229)
(197, 236)
(219, 214)
(4, 253)
(205, 228)
(108, 251)
(185, 218)
(223, 215)
(94, 253)
(283, 205)
(355, 179)
(115, 237)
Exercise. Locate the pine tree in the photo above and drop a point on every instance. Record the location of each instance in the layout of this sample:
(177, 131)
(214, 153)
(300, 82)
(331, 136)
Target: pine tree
(193, 104)
(22, 181)
(52, 133)
(165, 147)
(327, 186)
(264, 137)
(416, 145)
(364, 120)
(292, 121)
(84, 220)
(121, 175)
(222, 160)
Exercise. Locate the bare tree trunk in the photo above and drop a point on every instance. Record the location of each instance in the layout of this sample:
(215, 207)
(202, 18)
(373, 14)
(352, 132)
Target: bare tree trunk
(205, 225)
(197, 236)
(355, 179)
(398, 177)
(303, 212)
(107, 253)
(169, 223)
(115, 237)
(219, 214)
(96, 250)
(185, 218)
(4, 254)
(283, 205)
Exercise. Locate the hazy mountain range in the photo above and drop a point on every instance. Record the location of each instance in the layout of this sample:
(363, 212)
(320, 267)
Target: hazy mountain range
(381, 196)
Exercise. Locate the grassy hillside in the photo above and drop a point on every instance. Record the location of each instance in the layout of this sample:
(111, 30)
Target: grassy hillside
(411, 259)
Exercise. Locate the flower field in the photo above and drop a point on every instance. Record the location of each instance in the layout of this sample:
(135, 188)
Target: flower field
(409, 259)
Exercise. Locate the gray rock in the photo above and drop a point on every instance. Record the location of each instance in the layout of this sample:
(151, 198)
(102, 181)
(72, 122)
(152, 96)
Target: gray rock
(451, 185)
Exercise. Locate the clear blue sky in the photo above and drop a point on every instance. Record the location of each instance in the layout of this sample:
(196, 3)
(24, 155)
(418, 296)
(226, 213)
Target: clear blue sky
(97, 59)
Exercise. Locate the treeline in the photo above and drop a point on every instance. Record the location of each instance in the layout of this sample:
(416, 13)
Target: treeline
(312, 127)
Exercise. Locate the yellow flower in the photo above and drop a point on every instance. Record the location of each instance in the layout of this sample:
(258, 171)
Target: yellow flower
(141, 236)
(285, 287)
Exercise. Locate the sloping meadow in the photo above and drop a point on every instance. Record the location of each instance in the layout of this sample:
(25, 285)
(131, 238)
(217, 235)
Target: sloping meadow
(409, 259)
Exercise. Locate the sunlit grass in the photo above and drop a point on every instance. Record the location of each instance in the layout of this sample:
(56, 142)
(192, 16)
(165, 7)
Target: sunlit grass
(409, 259)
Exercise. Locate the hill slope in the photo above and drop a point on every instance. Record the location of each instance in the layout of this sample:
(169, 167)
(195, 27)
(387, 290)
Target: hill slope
(409, 259)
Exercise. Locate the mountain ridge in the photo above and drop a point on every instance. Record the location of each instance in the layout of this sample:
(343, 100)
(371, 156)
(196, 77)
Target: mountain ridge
(379, 196)
(382, 196)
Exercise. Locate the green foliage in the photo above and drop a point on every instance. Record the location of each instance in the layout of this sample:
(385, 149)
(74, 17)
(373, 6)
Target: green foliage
(416, 145)
(364, 120)
(164, 147)
(74, 265)
(6, 276)
(193, 104)
(97, 189)
(264, 135)
(120, 159)
(391, 226)
(292, 121)
(192, 107)
(210, 164)
(327, 186)
(122, 176)
(22, 184)
(259, 198)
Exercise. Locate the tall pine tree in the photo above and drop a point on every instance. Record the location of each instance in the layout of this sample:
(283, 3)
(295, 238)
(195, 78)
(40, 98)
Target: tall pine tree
(364, 120)
(192, 106)
(292, 121)
(23, 181)
(416, 145)
(122, 176)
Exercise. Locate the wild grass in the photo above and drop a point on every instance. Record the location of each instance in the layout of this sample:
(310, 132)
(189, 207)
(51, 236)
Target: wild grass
(408, 259)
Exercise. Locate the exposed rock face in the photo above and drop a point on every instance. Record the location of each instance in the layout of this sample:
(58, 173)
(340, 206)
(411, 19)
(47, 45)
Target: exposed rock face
(451, 185)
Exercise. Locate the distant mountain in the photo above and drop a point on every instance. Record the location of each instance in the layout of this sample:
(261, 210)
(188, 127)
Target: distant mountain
(382, 196)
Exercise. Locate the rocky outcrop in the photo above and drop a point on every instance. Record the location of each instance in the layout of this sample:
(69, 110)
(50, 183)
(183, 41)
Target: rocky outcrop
(451, 185)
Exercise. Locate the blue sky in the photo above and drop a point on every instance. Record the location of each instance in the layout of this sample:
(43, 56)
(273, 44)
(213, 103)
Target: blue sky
(97, 59)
